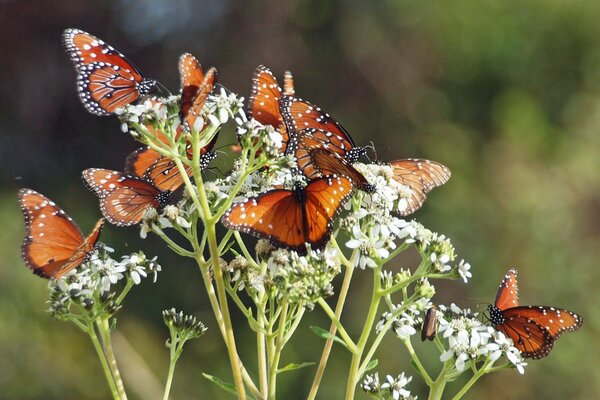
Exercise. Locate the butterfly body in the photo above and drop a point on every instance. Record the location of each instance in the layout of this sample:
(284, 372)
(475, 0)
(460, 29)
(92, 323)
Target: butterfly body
(53, 244)
(106, 80)
(533, 329)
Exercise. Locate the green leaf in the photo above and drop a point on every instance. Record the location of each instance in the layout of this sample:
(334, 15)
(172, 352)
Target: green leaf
(372, 364)
(293, 366)
(326, 335)
(228, 387)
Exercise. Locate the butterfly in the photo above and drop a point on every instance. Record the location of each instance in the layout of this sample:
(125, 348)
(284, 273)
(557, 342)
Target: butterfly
(299, 114)
(533, 329)
(293, 218)
(53, 244)
(421, 176)
(124, 198)
(265, 97)
(106, 80)
(153, 166)
(315, 158)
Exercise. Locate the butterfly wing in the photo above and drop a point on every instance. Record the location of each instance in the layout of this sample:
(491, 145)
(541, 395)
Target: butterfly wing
(107, 79)
(508, 292)
(264, 99)
(275, 215)
(124, 198)
(192, 116)
(315, 159)
(53, 244)
(288, 84)
(299, 114)
(324, 198)
(554, 320)
(421, 176)
(531, 338)
(192, 76)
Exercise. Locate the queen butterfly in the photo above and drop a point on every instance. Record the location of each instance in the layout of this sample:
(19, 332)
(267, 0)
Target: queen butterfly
(153, 166)
(299, 114)
(533, 329)
(107, 80)
(124, 198)
(315, 158)
(265, 97)
(53, 244)
(421, 176)
(293, 218)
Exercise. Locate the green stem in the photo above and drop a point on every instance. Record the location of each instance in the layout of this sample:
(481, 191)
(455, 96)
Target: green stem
(277, 353)
(261, 346)
(174, 246)
(417, 361)
(371, 316)
(482, 371)
(333, 328)
(104, 329)
(436, 389)
(175, 352)
(347, 339)
(103, 361)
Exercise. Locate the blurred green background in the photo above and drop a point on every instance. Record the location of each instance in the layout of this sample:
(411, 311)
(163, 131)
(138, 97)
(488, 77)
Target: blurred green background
(505, 93)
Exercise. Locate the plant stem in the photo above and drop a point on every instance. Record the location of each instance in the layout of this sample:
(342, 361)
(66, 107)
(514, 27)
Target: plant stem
(472, 381)
(436, 389)
(104, 329)
(347, 339)
(277, 353)
(103, 361)
(174, 356)
(372, 314)
(417, 362)
(349, 270)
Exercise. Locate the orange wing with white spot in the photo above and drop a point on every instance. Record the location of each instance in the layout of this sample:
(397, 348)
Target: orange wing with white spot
(107, 79)
(292, 218)
(264, 99)
(533, 329)
(421, 176)
(192, 76)
(124, 198)
(53, 244)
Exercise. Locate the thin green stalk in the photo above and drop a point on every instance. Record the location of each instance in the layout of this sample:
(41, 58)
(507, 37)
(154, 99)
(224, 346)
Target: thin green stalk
(277, 353)
(174, 352)
(482, 371)
(174, 246)
(349, 270)
(382, 333)
(436, 389)
(103, 361)
(104, 329)
(261, 346)
(345, 337)
(371, 316)
(417, 362)
(297, 319)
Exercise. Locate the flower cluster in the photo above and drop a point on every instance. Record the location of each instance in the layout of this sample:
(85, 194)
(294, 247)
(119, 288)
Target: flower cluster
(186, 326)
(392, 388)
(470, 341)
(404, 318)
(303, 279)
(92, 285)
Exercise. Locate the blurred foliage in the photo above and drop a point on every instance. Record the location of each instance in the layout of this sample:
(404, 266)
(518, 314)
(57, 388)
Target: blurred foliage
(506, 93)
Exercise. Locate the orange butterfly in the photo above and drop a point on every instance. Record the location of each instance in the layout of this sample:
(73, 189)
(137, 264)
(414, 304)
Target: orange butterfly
(53, 244)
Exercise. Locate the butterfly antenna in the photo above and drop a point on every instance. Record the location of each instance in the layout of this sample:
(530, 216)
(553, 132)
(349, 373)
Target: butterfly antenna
(372, 147)
(162, 90)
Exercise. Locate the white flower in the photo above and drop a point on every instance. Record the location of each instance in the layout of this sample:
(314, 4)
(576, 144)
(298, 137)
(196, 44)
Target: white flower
(396, 386)
(371, 383)
(463, 270)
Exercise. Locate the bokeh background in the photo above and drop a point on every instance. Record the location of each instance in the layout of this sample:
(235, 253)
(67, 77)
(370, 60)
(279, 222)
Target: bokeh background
(506, 93)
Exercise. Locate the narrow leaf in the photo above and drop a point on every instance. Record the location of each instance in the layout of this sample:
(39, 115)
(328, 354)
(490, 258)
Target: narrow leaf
(293, 366)
(326, 335)
(228, 387)
(372, 364)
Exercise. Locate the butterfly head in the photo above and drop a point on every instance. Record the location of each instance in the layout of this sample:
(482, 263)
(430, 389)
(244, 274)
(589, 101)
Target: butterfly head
(355, 153)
